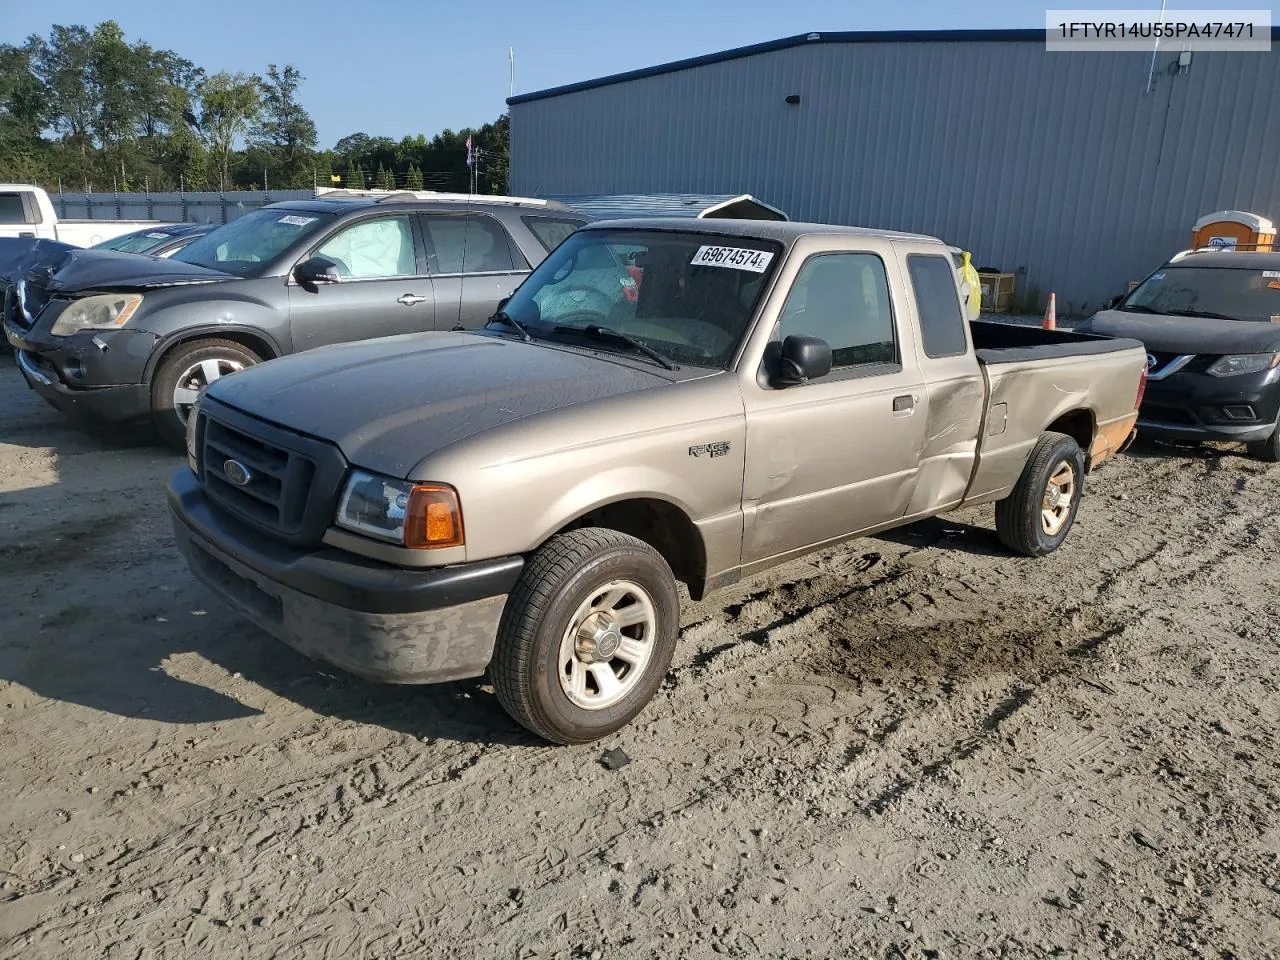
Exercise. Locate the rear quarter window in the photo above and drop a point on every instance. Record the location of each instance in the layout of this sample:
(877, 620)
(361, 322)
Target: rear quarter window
(551, 231)
(933, 280)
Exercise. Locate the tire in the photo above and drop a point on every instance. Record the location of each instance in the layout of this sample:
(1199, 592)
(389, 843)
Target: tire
(539, 666)
(1022, 518)
(176, 370)
(1268, 449)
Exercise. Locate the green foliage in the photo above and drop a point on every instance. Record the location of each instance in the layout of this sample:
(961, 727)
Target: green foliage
(88, 107)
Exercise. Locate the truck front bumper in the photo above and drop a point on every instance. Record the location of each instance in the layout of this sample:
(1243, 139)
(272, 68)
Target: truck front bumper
(376, 621)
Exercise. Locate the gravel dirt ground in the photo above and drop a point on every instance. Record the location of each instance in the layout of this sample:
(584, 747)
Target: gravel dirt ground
(910, 746)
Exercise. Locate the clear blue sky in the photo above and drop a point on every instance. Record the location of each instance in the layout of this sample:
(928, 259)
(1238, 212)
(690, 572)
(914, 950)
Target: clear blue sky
(396, 67)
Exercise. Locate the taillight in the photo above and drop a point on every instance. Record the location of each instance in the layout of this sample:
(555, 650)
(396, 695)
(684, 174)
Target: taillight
(1142, 388)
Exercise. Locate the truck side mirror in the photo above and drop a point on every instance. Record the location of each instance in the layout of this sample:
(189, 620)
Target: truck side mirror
(1113, 302)
(802, 359)
(317, 270)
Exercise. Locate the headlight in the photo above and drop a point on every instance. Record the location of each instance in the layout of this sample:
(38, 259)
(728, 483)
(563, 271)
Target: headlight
(106, 311)
(418, 515)
(1236, 364)
(193, 418)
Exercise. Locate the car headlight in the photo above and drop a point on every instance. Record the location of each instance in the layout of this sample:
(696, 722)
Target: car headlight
(422, 516)
(105, 311)
(1236, 364)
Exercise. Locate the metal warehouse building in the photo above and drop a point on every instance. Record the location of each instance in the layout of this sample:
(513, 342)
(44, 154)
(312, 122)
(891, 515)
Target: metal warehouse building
(1074, 171)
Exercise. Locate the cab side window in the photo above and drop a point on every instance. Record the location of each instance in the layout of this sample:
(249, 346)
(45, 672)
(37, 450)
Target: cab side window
(941, 323)
(843, 298)
(373, 249)
(467, 244)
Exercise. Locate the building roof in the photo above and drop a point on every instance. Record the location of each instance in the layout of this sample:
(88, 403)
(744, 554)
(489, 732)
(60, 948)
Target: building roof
(800, 40)
(617, 206)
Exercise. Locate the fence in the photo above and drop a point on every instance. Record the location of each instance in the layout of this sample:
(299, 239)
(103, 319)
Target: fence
(199, 207)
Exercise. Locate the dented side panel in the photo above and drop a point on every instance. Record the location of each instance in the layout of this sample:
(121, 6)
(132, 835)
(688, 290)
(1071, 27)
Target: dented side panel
(1027, 397)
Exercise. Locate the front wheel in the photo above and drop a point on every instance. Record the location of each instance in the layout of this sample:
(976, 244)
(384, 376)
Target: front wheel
(1038, 514)
(178, 380)
(587, 635)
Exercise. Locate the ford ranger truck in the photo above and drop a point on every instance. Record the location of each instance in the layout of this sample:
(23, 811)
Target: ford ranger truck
(658, 403)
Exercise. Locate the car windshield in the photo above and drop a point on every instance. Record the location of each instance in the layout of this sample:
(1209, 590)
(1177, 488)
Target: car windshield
(1229, 292)
(138, 242)
(246, 243)
(687, 296)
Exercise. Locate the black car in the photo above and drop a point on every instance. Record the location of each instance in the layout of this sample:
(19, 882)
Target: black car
(115, 337)
(1211, 324)
(162, 241)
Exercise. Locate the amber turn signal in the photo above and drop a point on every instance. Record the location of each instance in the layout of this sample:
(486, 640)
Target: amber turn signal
(434, 518)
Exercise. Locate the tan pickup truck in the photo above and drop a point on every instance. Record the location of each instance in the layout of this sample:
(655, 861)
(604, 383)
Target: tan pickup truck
(659, 402)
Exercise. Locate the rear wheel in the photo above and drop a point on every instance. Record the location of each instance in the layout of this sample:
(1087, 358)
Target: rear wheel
(587, 635)
(1038, 514)
(181, 376)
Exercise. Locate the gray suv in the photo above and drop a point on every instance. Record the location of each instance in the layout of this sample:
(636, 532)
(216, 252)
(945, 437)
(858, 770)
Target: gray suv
(115, 338)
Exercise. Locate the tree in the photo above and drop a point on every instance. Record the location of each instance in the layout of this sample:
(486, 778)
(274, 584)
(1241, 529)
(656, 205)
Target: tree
(355, 178)
(229, 105)
(386, 179)
(25, 107)
(413, 179)
(63, 65)
(285, 130)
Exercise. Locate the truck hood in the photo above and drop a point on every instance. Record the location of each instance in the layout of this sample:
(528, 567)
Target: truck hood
(84, 270)
(388, 403)
(1184, 335)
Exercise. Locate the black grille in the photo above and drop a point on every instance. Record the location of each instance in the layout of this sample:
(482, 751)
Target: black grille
(278, 480)
(288, 484)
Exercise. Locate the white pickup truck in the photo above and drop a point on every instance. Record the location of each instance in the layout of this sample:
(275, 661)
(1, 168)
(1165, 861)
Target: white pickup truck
(27, 211)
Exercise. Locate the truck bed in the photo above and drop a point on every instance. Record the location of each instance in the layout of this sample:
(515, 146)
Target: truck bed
(1014, 343)
(1036, 379)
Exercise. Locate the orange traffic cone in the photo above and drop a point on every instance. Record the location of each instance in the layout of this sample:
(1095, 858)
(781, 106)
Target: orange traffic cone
(1050, 321)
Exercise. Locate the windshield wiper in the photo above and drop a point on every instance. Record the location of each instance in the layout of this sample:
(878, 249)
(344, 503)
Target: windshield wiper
(1209, 314)
(1138, 308)
(597, 332)
(504, 317)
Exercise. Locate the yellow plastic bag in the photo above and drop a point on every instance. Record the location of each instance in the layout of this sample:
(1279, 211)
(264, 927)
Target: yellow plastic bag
(970, 279)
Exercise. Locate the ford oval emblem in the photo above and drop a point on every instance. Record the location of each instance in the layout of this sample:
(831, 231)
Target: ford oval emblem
(237, 472)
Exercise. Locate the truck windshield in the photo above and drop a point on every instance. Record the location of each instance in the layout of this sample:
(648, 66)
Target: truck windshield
(687, 296)
(245, 244)
(1230, 293)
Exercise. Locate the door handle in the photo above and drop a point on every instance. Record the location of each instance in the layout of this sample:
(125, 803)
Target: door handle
(409, 299)
(904, 405)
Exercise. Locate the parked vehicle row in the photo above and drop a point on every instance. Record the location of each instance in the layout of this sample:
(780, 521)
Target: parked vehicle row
(108, 339)
(494, 437)
(658, 402)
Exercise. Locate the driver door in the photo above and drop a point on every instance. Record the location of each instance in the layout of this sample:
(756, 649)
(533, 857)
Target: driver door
(384, 288)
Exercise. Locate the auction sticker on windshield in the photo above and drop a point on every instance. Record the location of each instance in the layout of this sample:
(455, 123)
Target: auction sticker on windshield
(296, 221)
(736, 258)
